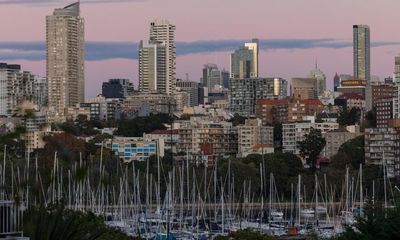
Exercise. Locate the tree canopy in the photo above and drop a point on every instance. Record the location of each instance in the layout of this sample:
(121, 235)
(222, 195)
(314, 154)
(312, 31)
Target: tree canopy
(311, 147)
(136, 127)
(58, 223)
(354, 149)
(349, 117)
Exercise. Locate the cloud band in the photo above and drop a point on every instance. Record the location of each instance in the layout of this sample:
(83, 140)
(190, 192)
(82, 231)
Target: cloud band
(96, 51)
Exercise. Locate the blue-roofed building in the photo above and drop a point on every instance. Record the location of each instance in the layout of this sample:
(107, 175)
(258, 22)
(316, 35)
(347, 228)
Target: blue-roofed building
(136, 149)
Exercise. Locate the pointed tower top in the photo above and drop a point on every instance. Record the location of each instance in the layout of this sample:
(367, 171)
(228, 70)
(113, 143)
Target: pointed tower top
(70, 10)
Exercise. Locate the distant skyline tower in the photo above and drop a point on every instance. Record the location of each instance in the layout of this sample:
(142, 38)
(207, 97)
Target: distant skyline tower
(213, 77)
(65, 58)
(253, 46)
(361, 52)
(244, 61)
(163, 32)
(336, 82)
(321, 79)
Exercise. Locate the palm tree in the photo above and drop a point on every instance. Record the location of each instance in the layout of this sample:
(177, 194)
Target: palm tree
(60, 224)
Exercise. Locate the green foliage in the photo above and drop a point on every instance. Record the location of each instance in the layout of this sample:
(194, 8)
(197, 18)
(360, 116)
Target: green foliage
(318, 119)
(15, 144)
(354, 149)
(246, 235)
(237, 120)
(100, 138)
(311, 147)
(377, 224)
(284, 166)
(59, 223)
(349, 117)
(278, 136)
(136, 127)
(185, 117)
(371, 118)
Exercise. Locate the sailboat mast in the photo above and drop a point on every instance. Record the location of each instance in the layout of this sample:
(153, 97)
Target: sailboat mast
(361, 189)
(384, 179)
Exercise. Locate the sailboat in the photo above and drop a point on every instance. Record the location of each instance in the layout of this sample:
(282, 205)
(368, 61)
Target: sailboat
(274, 214)
(318, 208)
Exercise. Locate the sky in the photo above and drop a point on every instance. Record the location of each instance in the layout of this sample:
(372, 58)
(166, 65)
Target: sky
(294, 34)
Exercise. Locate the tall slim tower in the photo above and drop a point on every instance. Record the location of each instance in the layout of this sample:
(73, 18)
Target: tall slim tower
(361, 52)
(65, 57)
(244, 61)
(396, 80)
(321, 79)
(163, 32)
(253, 46)
(153, 73)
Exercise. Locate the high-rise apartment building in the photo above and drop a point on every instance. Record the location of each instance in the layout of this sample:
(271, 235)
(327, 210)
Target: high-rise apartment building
(244, 61)
(244, 93)
(65, 58)
(152, 67)
(17, 87)
(361, 52)
(396, 81)
(382, 149)
(162, 32)
(192, 88)
(214, 78)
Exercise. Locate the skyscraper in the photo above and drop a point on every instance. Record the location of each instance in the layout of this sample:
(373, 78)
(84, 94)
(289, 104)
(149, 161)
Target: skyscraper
(65, 58)
(244, 93)
(153, 71)
(18, 86)
(163, 32)
(253, 46)
(244, 61)
(321, 79)
(336, 82)
(396, 80)
(213, 77)
(361, 52)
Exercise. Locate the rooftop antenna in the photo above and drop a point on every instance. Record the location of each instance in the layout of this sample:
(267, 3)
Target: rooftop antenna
(316, 63)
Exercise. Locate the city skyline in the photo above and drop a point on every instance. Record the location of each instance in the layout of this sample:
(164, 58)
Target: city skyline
(291, 50)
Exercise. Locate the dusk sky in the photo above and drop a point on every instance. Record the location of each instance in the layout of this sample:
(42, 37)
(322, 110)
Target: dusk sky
(293, 33)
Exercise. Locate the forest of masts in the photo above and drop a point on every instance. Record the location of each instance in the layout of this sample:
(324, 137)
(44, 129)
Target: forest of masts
(107, 186)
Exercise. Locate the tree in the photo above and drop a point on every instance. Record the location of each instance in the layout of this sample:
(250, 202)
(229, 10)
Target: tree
(237, 120)
(100, 138)
(354, 149)
(318, 119)
(58, 223)
(278, 136)
(349, 117)
(378, 223)
(311, 147)
(136, 127)
(371, 118)
(246, 234)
